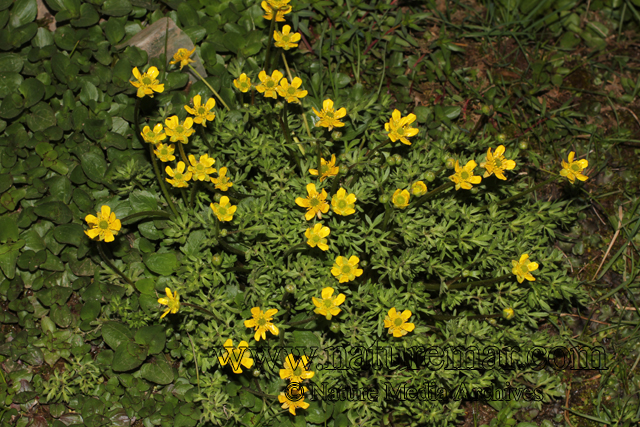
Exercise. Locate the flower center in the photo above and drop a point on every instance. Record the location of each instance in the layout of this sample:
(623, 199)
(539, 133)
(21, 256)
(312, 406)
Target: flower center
(342, 204)
(285, 38)
(270, 83)
(103, 224)
(164, 152)
(328, 303)
(223, 212)
(346, 269)
(575, 167)
(497, 163)
(291, 90)
(329, 114)
(297, 372)
(314, 202)
(464, 175)
(262, 321)
(179, 129)
(201, 111)
(146, 81)
(315, 238)
(151, 135)
(524, 269)
(399, 200)
(398, 321)
(199, 167)
(178, 176)
(400, 131)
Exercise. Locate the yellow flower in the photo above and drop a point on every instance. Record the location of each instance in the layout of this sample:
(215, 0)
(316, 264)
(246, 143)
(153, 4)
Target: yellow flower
(419, 188)
(496, 163)
(243, 83)
(103, 226)
(296, 371)
(291, 92)
(222, 182)
(326, 169)
(165, 152)
(202, 113)
(153, 136)
(237, 356)
(178, 131)
(400, 198)
(147, 82)
(262, 322)
(328, 306)
(328, 117)
(316, 236)
(269, 83)
(397, 323)
(573, 170)
(278, 4)
(183, 57)
(343, 204)
(344, 270)
(201, 169)
(284, 39)
(316, 204)
(464, 176)
(171, 301)
(523, 268)
(399, 129)
(269, 12)
(223, 210)
(293, 398)
(179, 177)
(508, 313)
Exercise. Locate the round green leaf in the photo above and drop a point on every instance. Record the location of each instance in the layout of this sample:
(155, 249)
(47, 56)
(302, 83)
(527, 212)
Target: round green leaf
(23, 12)
(128, 356)
(152, 336)
(90, 310)
(12, 105)
(57, 212)
(41, 117)
(94, 164)
(61, 315)
(116, 7)
(11, 63)
(158, 372)
(163, 264)
(8, 83)
(115, 333)
(114, 30)
(70, 234)
(88, 16)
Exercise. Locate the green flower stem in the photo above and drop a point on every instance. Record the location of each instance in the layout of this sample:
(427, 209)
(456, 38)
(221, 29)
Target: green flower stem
(522, 194)
(144, 214)
(336, 182)
(185, 159)
(387, 216)
(294, 248)
(304, 116)
(433, 193)
(185, 198)
(487, 282)
(154, 162)
(203, 136)
(305, 320)
(364, 159)
(449, 317)
(195, 360)
(210, 87)
(229, 247)
(202, 309)
(192, 194)
(111, 265)
(257, 393)
(267, 56)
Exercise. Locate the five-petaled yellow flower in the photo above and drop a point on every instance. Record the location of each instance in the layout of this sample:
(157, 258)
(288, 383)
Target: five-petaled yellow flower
(222, 181)
(237, 356)
(278, 4)
(103, 226)
(464, 176)
(316, 203)
(201, 169)
(179, 131)
(328, 306)
(327, 169)
(573, 170)
(147, 83)
(294, 398)
(171, 301)
(269, 12)
(183, 57)
(286, 40)
(400, 198)
(328, 117)
(243, 83)
(496, 163)
(153, 136)
(343, 203)
(269, 83)
(223, 210)
(291, 93)
(296, 371)
(316, 236)
(344, 270)
(418, 188)
(397, 322)
(179, 177)
(523, 268)
(399, 127)
(165, 152)
(202, 113)
(262, 322)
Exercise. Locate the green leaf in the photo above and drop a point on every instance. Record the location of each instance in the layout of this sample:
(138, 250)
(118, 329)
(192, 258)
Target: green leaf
(305, 339)
(116, 7)
(54, 295)
(152, 336)
(88, 93)
(52, 263)
(83, 268)
(187, 15)
(8, 257)
(41, 117)
(9, 228)
(317, 415)
(95, 128)
(60, 188)
(142, 201)
(162, 264)
(90, 311)
(61, 315)
(12, 105)
(8, 83)
(129, 355)
(30, 260)
(114, 30)
(114, 334)
(88, 16)
(70, 234)
(94, 164)
(159, 372)
(11, 63)
(23, 12)
(146, 286)
(57, 212)
(32, 90)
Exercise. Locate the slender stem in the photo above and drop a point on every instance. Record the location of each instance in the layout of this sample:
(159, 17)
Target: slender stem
(319, 154)
(145, 214)
(479, 316)
(387, 216)
(432, 193)
(185, 198)
(293, 248)
(487, 282)
(336, 182)
(286, 65)
(154, 162)
(195, 360)
(192, 195)
(229, 247)
(111, 265)
(270, 41)
(524, 193)
(203, 136)
(210, 87)
(305, 320)
(257, 393)
(185, 159)
(304, 116)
